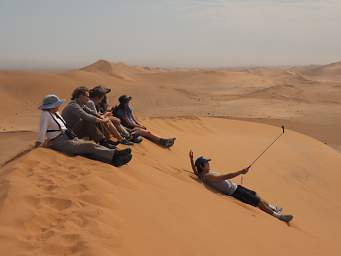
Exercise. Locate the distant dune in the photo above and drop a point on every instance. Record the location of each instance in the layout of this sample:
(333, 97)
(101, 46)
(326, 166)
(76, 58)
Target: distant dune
(118, 70)
(51, 204)
(330, 71)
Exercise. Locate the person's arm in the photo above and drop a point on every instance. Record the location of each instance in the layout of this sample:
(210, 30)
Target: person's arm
(192, 163)
(42, 130)
(137, 124)
(228, 176)
(91, 111)
(122, 115)
(80, 112)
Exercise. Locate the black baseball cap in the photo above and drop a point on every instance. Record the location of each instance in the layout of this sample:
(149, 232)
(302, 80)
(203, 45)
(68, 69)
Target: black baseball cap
(201, 161)
(124, 98)
(101, 89)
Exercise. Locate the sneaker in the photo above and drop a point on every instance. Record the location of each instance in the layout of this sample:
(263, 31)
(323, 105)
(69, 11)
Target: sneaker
(136, 139)
(113, 142)
(286, 218)
(121, 152)
(119, 160)
(167, 143)
(170, 142)
(126, 142)
(106, 144)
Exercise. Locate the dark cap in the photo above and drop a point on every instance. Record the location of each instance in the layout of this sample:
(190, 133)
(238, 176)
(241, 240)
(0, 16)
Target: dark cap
(201, 161)
(101, 89)
(124, 99)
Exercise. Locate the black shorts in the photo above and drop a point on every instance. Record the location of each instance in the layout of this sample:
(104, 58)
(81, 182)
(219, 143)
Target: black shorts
(246, 196)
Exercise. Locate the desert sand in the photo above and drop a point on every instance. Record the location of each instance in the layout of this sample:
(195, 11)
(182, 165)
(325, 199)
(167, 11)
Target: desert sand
(51, 204)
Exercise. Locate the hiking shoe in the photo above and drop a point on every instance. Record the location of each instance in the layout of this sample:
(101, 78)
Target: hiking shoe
(170, 142)
(119, 160)
(126, 142)
(107, 144)
(136, 138)
(121, 152)
(167, 143)
(286, 218)
(113, 142)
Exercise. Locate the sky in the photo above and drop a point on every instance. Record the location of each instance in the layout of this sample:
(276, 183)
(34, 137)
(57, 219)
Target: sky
(169, 33)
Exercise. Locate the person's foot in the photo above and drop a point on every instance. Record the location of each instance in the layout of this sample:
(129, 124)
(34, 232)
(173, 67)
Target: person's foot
(126, 142)
(107, 144)
(167, 143)
(276, 209)
(121, 152)
(136, 139)
(113, 142)
(170, 142)
(286, 218)
(119, 160)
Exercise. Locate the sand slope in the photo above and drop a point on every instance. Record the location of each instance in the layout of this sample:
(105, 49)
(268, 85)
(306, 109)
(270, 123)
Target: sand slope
(51, 204)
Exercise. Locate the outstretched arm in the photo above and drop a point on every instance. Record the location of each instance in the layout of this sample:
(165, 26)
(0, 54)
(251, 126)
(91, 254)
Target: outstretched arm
(192, 163)
(227, 176)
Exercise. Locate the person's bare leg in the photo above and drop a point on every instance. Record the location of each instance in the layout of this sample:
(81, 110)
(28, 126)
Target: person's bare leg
(114, 131)
(264, 206)
(117, 123)
(148, 135)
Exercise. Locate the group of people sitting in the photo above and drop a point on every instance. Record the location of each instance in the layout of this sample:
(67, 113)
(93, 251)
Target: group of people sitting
(88, 127)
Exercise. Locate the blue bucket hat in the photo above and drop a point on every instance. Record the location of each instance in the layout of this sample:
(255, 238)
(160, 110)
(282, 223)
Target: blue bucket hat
(51, 101)
(201, 161)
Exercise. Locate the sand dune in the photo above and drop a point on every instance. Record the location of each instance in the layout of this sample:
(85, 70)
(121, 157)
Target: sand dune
(287, 94)
(329, 72)
(118, 70)
(51, 204)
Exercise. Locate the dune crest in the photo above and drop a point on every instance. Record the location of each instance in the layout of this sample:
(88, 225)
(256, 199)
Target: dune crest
(51, 204)
(330, 71)
(118, 70)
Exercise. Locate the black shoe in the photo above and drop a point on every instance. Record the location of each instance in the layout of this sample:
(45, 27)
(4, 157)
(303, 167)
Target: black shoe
(119, 160)
(126, 142)
(170, 142)
(167, 143)
(107, 144)
(113, 142)
(122, 152)
(136, 138)
(286, 218)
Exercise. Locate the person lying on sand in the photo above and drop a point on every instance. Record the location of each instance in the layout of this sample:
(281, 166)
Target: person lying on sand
(109, 129)
(83, 121)
(224, 185)
(124, 112)
(60, 138)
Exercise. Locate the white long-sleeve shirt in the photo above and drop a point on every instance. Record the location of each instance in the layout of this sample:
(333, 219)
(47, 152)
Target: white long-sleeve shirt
(48, 123)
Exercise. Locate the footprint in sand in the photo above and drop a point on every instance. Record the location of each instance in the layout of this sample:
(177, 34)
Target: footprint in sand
(57, 203)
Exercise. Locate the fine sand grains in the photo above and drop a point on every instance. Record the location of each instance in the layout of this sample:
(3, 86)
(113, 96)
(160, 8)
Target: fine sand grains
(52, 204)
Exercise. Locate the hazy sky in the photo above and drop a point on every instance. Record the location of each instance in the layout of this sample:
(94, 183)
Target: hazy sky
(199, 33)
